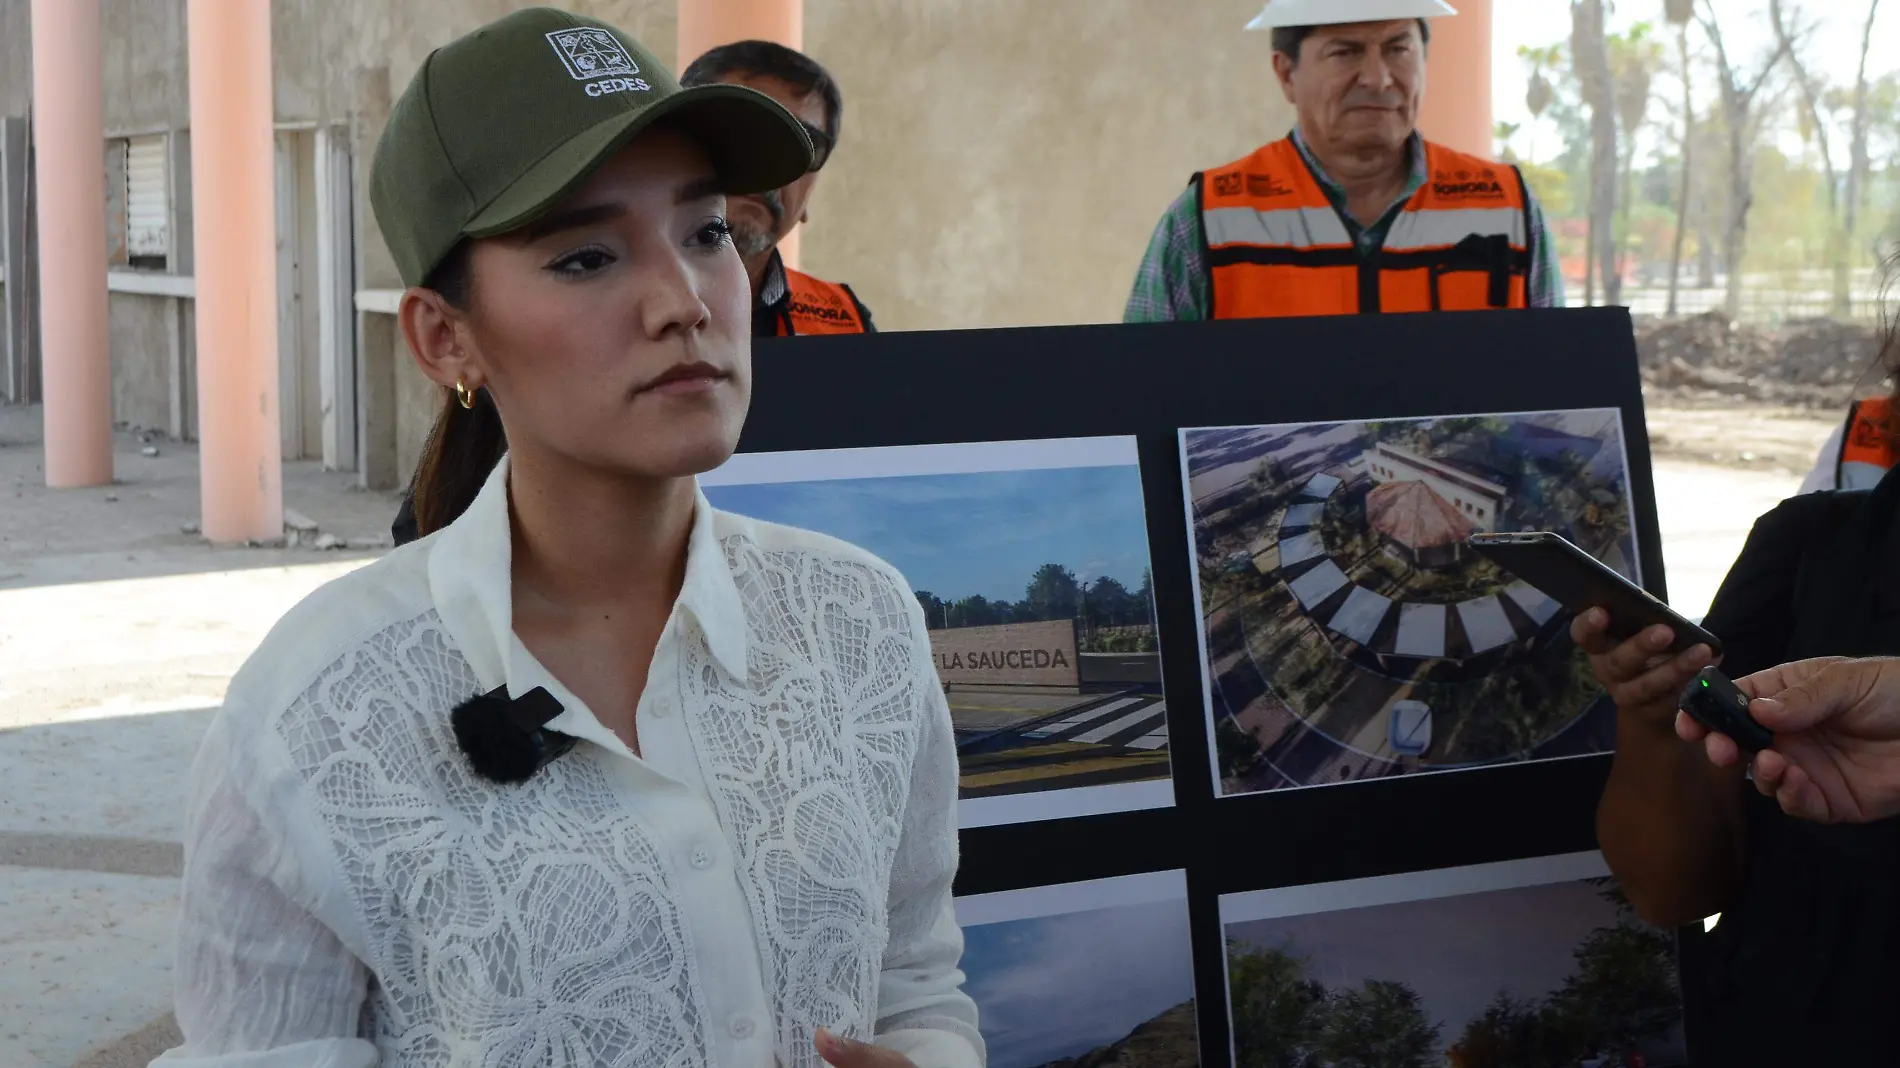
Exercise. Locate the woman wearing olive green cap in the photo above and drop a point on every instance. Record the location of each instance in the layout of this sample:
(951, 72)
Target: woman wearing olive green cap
(594, 774)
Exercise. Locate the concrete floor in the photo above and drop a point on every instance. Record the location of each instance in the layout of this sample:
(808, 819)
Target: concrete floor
(118, 634)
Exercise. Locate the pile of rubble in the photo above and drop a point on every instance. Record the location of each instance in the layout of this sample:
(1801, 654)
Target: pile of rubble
(1804, 363)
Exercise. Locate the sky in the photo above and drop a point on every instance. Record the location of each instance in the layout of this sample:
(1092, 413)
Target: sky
(1058, 986)
(1456, 952)
(1745, 28)
(985, 533)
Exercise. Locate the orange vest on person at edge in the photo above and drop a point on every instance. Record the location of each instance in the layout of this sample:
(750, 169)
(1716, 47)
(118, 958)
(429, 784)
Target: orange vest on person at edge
(819, 307)
(1867, 449)
(1276, 246)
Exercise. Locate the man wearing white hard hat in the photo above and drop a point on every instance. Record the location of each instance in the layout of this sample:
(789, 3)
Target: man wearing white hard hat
(1353, 212)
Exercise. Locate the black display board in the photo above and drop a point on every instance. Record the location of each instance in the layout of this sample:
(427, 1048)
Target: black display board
(1151, 381)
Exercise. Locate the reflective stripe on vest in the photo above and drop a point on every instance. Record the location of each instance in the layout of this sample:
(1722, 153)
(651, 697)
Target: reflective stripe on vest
(1867, 450)
(1276, 246)
(818, 307)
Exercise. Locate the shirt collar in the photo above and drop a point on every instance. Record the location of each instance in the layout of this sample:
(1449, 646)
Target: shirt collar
(471, 580)
(1414, 154)
(774, 288)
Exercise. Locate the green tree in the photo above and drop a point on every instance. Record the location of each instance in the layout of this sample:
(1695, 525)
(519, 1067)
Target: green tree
(1543, 64)
(1636, 59)
(1052, 594)
(1744, 114)
(935, 609)
(1624, 988)
(1503, 133)
(1680, 14)
(1237, 749)
(977, 610)
(1552, 187)
(1590, 54)
(1277, 1010)
(1380, 1025)
(1514, 1034)
(1108, 603)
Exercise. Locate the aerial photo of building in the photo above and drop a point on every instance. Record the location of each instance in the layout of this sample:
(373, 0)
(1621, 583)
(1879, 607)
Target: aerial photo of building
(1349, 630)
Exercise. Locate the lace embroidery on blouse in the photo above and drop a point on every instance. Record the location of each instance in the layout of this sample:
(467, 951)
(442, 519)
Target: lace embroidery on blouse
(534, 924)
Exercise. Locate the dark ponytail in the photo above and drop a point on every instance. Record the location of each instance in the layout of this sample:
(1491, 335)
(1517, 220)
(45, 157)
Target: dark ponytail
(465, 443)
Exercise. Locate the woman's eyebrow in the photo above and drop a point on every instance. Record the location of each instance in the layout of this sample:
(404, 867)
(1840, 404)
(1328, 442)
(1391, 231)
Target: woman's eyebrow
(572, 219)
(699, 189)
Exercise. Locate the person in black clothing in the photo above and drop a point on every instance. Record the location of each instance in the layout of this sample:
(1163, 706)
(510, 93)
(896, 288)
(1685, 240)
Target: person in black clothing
(1803, 966)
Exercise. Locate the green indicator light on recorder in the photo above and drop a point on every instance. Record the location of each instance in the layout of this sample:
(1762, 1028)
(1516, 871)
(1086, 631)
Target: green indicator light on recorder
(1705, 684)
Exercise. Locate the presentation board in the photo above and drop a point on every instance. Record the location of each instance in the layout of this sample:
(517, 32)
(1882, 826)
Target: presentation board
(1290, 678)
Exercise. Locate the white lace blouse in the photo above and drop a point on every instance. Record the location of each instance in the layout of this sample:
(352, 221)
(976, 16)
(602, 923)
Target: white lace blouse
(778, 860)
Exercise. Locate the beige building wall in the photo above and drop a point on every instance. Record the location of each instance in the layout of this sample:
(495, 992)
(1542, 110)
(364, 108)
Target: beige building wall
(1004, 161)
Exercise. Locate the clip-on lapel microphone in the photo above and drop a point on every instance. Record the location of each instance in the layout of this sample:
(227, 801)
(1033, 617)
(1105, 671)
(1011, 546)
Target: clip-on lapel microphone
(506, 739)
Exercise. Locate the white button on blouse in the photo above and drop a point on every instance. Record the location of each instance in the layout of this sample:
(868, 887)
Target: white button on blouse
(778, 859)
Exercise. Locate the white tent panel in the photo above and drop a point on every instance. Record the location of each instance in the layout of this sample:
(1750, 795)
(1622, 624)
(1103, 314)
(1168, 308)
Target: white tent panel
(1421, 631)
(1318, 584)
(1360, 616)
(1486, 624)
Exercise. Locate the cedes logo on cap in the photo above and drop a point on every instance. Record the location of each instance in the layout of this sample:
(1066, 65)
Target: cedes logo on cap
(594, 56)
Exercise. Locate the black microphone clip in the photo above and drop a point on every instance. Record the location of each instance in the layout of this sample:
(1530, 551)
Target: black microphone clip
(506, 739)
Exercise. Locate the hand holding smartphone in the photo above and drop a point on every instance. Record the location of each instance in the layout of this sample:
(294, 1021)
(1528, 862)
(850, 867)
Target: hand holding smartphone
(1580, 582)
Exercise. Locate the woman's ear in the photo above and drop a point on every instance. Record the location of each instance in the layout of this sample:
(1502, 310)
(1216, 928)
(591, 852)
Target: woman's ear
(434, 329)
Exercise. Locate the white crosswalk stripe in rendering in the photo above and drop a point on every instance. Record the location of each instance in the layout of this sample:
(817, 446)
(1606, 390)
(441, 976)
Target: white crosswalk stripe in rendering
(1066, 727)
(1134, 722)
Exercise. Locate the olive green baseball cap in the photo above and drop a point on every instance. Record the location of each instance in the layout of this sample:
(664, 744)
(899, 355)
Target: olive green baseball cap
(499, 125)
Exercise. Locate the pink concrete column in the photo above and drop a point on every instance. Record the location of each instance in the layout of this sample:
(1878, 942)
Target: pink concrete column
(70, 182)
(1457, 111)
(705, 24)
(234, 230)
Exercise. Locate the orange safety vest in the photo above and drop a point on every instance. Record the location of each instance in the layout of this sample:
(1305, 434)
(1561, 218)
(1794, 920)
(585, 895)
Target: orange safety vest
(1867, 449)
(819, 307)
(1276, 246)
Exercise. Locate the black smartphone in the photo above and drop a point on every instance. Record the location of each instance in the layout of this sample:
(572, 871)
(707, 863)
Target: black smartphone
(1579, 582)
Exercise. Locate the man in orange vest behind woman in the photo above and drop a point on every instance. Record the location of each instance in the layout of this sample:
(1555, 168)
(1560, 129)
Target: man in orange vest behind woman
(784, 301)
(1353, 212)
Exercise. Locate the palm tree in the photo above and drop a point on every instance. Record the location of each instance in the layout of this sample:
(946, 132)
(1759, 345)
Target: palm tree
(1681, 13)
(1590, 58)
(1635, 60)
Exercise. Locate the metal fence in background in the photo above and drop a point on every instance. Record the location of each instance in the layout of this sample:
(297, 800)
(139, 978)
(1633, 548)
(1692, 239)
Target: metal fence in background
(1767, 299)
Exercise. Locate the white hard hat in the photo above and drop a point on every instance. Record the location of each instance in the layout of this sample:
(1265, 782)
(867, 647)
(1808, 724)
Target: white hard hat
(1280, 13)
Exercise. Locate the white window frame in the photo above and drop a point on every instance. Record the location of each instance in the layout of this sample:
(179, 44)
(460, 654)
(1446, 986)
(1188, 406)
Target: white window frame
(148, 198)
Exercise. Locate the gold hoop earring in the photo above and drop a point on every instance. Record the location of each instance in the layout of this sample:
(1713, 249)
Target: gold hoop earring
(463, 394)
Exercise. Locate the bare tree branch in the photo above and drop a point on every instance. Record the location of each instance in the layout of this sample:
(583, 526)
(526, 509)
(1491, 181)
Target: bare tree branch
(1790, 38)
(1742, 112)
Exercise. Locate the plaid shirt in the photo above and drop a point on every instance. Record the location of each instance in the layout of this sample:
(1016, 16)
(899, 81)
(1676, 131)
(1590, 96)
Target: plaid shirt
(1172, 282)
